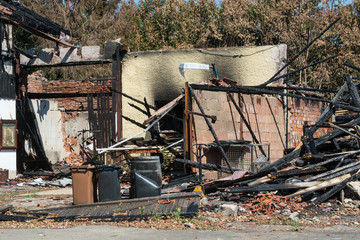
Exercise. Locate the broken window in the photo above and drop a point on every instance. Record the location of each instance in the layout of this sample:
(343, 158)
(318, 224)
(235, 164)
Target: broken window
(173, 121)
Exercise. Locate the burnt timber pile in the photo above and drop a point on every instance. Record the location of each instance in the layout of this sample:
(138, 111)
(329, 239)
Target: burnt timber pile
(318, 168)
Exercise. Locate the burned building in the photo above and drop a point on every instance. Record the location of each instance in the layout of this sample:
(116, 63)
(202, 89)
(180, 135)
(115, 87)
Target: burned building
(51, 117)
(38, 131)
(14, 14)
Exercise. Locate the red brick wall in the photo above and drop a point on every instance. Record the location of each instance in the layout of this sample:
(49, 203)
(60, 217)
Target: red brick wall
(266, 119)
(39, 84)
(302, 111)
(216, 103)
(265, 126)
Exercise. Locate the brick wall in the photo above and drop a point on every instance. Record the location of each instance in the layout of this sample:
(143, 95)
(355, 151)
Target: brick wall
(265, 115)
(39, 84)
(266, 118)
(301, 112)
(216, 103)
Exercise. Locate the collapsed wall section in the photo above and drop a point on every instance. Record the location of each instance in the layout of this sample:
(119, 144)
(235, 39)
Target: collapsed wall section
(61, 110)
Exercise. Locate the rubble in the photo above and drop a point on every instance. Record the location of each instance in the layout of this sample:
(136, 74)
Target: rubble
(40, 182)
(311, 174)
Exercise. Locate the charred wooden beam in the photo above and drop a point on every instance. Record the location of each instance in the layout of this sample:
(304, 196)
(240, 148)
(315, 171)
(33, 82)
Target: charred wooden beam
(328, 112)
(119, 218)
(17, 218)
(68, 64)
(336, 189)
(297, 172)
(357, 163)
(352, 66)
(346, 118)
(246, 123)
(344, 130)
(334, 159)
(335, 133)
(266, 187)
(139, 109)
(255, 90)
(207, 166)
(347, 107)
(5, 209)
(299, 53)
(351, 170)
(131, 98)
(134, 122)
(336, 145)
(353, 91)
(300, 89)
(263, 172)
(321, 185)
(296, 153)
(279, 163)
(303, 68)
(19, 13)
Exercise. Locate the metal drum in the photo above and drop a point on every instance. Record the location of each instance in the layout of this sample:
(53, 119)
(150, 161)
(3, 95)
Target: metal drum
(149, 167)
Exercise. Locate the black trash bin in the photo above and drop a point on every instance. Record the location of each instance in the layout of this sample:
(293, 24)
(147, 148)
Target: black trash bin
(109, 184)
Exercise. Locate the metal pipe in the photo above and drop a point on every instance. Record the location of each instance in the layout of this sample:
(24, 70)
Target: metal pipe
(133, 136)
(171, 145)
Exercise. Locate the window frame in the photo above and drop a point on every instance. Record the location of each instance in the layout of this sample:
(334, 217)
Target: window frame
(1, 135)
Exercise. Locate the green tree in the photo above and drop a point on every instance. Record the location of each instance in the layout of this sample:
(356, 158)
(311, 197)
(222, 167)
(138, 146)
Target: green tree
(176, 24)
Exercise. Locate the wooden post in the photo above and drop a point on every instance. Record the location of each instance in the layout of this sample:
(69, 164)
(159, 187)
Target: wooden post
(117, 85)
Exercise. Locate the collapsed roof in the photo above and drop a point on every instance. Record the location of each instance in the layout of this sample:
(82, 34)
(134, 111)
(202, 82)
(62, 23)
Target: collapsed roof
(14, 12)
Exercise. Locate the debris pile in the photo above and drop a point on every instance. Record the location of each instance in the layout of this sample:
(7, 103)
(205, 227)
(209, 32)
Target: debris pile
(316, 169)
(268, 203)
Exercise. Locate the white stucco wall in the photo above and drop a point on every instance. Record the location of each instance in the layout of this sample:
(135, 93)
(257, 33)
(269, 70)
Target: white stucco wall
(8, 157)
(48, 119)
(54, 129)
(8, 109)
(8, 106)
